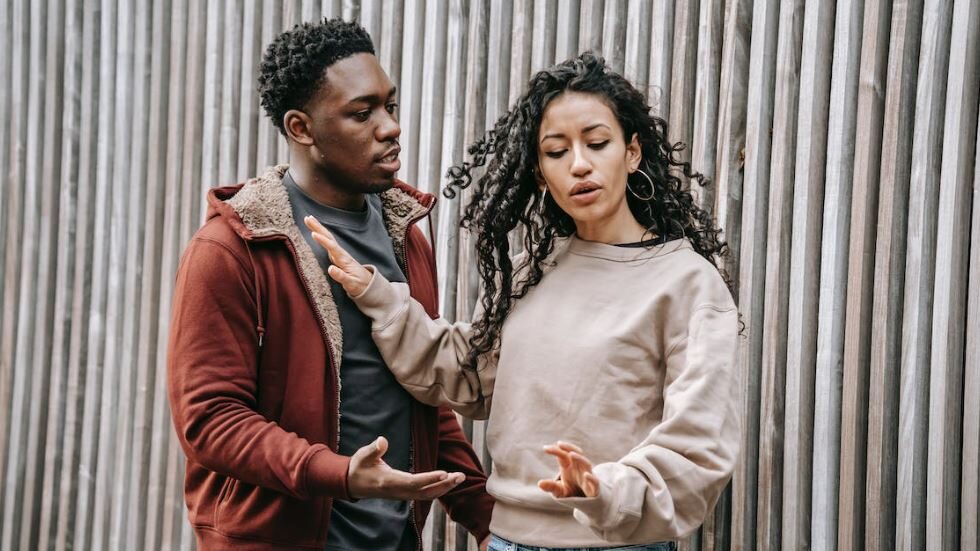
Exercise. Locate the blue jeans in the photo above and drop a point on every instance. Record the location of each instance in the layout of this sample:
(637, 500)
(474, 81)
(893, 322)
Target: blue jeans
(500, 544)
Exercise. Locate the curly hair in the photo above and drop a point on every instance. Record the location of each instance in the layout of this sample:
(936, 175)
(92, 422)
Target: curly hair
(294, 66)
(506, 193)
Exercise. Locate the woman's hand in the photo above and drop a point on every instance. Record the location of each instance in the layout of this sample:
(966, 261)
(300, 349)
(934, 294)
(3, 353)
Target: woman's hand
(575, 478)
(344, 269)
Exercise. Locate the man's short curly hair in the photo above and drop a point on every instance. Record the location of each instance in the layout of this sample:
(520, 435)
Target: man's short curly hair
(294, 65)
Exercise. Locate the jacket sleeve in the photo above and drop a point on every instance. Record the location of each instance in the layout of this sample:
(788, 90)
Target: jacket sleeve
(668, 484)
(424, 354)
(469, 504)
(212, 368)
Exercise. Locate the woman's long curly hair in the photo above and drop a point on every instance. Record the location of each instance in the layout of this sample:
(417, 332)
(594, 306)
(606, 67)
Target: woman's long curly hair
(507, 193)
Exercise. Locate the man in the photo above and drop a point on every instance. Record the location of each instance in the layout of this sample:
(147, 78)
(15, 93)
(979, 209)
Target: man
(296, 433)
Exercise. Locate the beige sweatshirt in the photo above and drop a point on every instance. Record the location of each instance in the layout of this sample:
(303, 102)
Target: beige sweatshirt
(628, 353)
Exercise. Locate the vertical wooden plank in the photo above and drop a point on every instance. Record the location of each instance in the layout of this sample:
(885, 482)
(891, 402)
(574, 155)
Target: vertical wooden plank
(543, 34)
(268, 135)
(730, 163)
(64, 250)
(520, 51)
(88, 514)
(6, 45)
(590, 25)
(146, 368)
(781, 182)
(661, 57)
(840, 159)
(889, 278)
(752, 269)
(970, 494)
(637, 56)
(860, 282)
(567, 24)
(83, 245)
(614, 34)
(249, 108)
(498, 68)
(805, 261)
(48, 168)
(390, 50)
(410, 88)
(432, 98)
(683, 75)
(212, 129)
(160, 437)
(946, 374)
(927, 149)
(704, 129)
(17, 488)
(370, 19)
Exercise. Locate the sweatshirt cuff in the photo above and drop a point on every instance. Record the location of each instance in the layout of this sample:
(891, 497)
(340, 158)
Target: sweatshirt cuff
(601, 511)
(380, 300)
(326, 474)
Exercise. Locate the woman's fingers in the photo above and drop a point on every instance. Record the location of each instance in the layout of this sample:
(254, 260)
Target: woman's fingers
(564, 459)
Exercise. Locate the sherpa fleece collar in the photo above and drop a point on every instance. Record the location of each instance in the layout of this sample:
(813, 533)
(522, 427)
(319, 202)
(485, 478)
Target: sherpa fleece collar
(263, 206)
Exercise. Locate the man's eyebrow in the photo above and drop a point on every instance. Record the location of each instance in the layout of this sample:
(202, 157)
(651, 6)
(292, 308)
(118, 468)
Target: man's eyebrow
(373, 98)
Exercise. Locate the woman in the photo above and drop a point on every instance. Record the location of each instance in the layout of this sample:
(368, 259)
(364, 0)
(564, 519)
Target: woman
(608, 353)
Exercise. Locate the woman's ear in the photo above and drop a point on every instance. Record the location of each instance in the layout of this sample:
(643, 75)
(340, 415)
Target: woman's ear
(634, 154)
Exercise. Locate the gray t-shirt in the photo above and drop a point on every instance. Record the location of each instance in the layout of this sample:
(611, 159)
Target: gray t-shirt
(372, 403)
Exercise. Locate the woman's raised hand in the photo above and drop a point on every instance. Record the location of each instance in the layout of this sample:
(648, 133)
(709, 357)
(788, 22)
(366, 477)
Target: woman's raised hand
(575, 477)
(344, 269)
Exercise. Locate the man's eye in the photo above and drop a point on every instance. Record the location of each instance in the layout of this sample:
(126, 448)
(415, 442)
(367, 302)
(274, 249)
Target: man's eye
(392, 108)
(555, 154)
(362, 115)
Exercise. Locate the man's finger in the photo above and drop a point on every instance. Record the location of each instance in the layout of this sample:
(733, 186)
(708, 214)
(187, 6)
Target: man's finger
(371, 452)
(433, 491)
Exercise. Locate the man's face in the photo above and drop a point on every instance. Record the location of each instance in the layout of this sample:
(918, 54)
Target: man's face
(354, 126)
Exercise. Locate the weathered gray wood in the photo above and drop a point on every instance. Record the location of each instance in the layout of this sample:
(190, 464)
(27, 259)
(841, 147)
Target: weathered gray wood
(661, 57)
(65, 251)
(704, 130)
(543, 35)
(498, 69)
(83, 245)
(567, 21)
(432, 98)
(590, 25)
(410, 88)
(268, 138)
(249, 110)
(970, 493)
(520, 50)
(882, 440)
(919, 281)
(752, 269)
(730, 156)
(637, 58)
(614, 33)
(864, 217)
(780, 229)
(952, 252)
(390, 50)
(683, 75)
(841, 149)
(805, 262)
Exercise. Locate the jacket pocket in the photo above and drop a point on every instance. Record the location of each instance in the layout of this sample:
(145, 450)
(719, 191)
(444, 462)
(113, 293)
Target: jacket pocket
(254, 513)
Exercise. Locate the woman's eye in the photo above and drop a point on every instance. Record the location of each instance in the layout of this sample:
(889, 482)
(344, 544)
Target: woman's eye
(555, 154)
(599, 145)
(392, 108)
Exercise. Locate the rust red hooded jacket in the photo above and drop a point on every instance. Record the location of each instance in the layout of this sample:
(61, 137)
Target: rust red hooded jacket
(254, 384)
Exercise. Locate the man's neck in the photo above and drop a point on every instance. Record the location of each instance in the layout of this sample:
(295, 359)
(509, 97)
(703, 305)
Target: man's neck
(321, 189)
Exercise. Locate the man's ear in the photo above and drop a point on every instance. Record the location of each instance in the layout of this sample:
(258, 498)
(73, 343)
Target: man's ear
(634, 153)
(298, 126)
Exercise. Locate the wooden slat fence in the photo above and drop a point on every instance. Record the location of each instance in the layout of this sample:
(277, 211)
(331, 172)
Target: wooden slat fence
(840, 136)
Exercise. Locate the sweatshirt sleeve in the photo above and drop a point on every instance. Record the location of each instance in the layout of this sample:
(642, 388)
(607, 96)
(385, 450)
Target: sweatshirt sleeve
(665, 487)
(426, 355)
(212, 374)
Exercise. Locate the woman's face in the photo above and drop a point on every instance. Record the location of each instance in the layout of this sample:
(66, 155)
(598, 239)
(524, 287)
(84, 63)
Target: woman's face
(584, 161)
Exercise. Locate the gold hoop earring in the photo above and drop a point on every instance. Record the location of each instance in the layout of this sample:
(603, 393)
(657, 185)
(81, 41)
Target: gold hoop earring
(653, 190)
